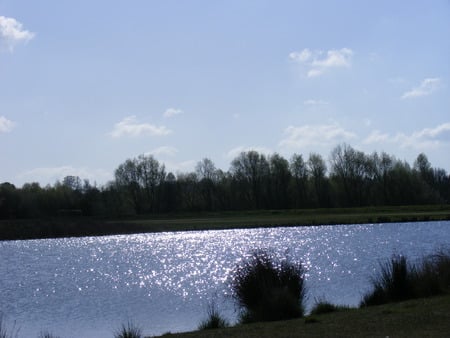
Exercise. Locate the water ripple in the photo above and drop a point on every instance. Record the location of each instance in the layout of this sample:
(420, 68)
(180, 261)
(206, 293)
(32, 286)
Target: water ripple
(88, 286)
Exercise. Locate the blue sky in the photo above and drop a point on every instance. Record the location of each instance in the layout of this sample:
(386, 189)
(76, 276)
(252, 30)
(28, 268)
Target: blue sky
(84, 85)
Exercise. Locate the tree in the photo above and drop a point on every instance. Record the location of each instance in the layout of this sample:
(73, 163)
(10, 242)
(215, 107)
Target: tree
(9, 200)
(127, 179)
(207, 175)
(72, 183)
(169, 194)
(251, 169)
(150, 175)
(188, 191)
(280, 177)
(317, 172)
(382, 166)
(350, 169)
(206, 170)
(299, 172)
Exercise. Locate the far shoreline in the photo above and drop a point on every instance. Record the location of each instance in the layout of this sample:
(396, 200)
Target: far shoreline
(62, 227)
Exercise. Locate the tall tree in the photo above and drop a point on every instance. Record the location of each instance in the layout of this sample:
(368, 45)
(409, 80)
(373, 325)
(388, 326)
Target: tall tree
(251, 170)
(350, 168)
(151, 175)
(299, 172)
(127, 178)
(317, 170)
(207, 175)
(280, 176)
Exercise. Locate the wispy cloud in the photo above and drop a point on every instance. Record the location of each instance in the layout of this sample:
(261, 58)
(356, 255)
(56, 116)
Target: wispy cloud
(376, 136)
(170, 112)
(164, 151)
(312, 102)
(12, 33)
(427, 138)
(129, 126)
(180, 167)
(316, 135)
(426, 87)
(318, 62)
(6, 125)
(49, 175)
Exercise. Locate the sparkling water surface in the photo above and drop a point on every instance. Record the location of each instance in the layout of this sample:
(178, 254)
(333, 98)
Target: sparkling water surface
(88, 287)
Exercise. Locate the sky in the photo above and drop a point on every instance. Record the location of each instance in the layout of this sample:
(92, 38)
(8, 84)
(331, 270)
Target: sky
(85, 85)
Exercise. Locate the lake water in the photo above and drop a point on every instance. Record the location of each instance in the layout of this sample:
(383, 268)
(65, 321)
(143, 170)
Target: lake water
(88, 287)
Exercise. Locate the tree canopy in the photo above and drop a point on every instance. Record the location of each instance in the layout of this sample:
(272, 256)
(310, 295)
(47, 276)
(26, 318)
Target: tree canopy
(141, 185)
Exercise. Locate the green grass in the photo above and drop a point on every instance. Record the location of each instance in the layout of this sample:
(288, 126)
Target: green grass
(427, 317)
(81, 226)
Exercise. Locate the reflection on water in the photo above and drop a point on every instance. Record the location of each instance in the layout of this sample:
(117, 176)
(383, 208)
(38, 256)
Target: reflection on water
(88, 287)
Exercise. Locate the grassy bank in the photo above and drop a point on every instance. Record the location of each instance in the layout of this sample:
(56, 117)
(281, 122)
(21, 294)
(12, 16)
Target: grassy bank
(81, 226)
(427, 317)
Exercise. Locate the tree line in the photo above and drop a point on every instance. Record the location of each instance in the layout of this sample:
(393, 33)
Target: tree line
(142, 186)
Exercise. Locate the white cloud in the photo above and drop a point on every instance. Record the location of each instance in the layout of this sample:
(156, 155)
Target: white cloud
(163, 151)
(236, 151)
(376, 137)
(6, 125)
(312, 102)
(180, 167)
(170, 112)
(302, 56)
(317, 135)
(427, 138)
(426, 87)
(129, 126)
(49, 175)
(318, 62)
(12, 33)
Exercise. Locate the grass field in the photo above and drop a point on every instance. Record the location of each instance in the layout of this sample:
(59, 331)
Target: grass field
(227, 220)
(84, 226)
(428, 317)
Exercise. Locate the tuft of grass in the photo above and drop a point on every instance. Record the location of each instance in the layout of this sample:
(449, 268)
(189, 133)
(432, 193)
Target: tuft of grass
(433, 277)
(398, 280)
(129, 330)
(268, 290)
(392, 284)
(47, 334)
(8, 333)
(214, 319)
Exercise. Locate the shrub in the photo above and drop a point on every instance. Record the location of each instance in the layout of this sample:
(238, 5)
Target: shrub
(267, 290)
(214, 320)
(130, 330)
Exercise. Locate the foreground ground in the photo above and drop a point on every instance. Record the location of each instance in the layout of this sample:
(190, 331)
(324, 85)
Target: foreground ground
(428, 317)
(85, 226)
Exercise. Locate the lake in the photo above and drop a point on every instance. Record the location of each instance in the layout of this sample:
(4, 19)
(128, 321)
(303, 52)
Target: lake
(88, 287)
